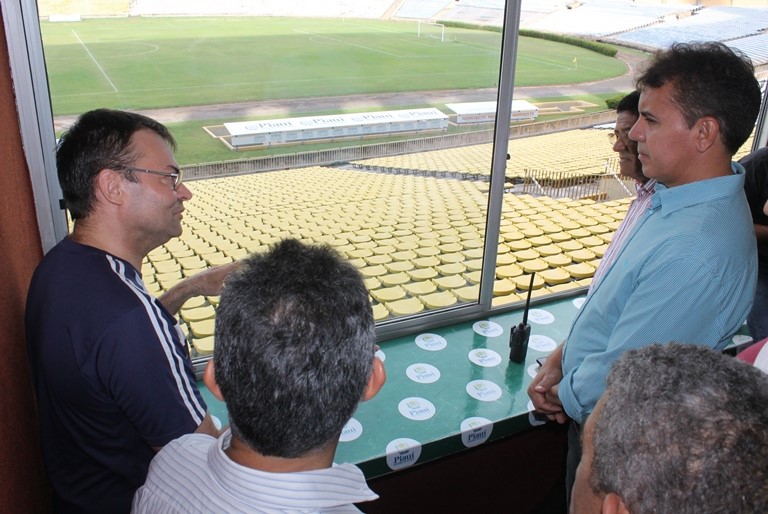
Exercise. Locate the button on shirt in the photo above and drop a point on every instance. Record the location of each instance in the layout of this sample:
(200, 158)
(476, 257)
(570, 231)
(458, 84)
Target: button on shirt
(686, 273)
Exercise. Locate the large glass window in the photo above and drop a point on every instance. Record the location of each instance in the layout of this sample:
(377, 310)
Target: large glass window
(388, 130)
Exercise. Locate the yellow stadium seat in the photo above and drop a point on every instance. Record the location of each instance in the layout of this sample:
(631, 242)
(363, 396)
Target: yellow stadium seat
(373, 260)
(420, 288)
(503, 287)
(555, 276)
(394, 279)
(373, 271)
(422, 273)
(405, 307)
(468, 293)
(526, 255)
(557, 260)
(579, 270)
(439, 300)
(380, 312)
(450, 269)
(449, 282)
(388, 294)
(533, 266)
(203, 345)
(582, 255)
(203, 328)
(198, 313)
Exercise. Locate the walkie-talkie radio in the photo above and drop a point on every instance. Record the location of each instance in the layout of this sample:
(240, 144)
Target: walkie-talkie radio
(518, 337)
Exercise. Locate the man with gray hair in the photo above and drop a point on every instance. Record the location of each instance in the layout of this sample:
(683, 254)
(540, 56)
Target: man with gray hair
(680, 429)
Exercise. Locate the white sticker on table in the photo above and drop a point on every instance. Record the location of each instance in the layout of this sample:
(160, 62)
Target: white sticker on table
(487, 328)
(381, 355)
(484, 357)
(475, 431)
(351, 431)
(402, 452)
(416, 408)
(533, 370)
(541, 343)
(540, 317)
(431, 342)
(483, 390)
(741, 339)
(423, 373)
(578, 302)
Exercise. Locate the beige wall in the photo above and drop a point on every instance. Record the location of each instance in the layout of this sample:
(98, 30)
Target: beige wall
(23, 487)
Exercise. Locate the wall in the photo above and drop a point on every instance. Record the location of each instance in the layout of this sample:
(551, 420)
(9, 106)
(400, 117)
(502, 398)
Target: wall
(23, 487)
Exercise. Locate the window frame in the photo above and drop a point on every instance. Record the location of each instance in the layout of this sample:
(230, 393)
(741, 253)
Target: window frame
(28, 69)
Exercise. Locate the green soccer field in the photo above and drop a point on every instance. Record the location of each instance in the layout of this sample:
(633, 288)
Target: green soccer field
(139, 63)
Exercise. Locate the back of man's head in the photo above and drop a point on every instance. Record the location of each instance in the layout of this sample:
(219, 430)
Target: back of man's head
(709, 79)
(99, 139)
(683, 429)
(294, 348)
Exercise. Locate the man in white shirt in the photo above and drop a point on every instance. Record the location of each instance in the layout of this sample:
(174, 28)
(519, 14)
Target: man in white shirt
(294, 356)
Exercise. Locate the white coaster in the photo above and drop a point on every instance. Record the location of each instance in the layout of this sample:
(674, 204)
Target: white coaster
(484, 357)
(540, 317)
(487, 328)
(416, 408)
(541, 343)
(431, 342)
(402, 452)
(475, 431)
(423, 373)
(483, 390)
(351, 431)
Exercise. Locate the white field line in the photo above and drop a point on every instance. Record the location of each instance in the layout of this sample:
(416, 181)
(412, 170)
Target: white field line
(95, 62)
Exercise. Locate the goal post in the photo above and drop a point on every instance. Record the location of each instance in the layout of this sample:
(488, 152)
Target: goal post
(431, 30)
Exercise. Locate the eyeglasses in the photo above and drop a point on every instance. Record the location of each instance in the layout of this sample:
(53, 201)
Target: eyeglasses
(176, 174)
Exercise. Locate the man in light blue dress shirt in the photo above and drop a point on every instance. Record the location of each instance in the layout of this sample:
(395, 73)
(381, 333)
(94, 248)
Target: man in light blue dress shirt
(687, 270)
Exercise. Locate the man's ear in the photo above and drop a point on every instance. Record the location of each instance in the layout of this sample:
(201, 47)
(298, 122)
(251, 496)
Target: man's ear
(376, 380)
(613, 504)
(109, 186)
(209, 379)
(707, 133)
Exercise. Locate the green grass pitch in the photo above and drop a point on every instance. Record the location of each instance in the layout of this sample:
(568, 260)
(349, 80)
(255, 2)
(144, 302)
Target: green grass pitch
(140, 63)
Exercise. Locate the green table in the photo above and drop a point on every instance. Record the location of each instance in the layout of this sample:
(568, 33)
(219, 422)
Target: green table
(450, 389)
(447, 390)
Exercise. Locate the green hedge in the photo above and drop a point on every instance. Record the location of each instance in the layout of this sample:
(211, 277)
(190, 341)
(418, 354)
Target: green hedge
(471, 26)
(600, 48)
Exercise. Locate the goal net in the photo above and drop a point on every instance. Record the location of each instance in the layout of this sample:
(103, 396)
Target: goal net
(431, 30)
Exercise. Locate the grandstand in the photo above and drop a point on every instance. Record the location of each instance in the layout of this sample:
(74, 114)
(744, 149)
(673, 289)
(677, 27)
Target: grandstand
(421, 9)
(600, 18)
(317, 8)
(579, 152)
(417, 240)
(709, 24)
